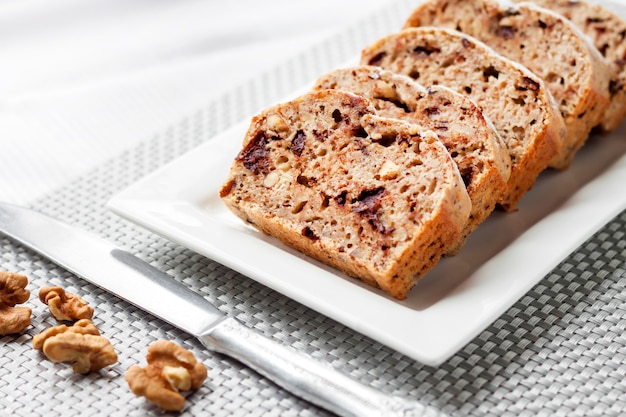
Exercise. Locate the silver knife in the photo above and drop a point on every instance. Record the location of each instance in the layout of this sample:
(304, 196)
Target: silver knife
(128, 277)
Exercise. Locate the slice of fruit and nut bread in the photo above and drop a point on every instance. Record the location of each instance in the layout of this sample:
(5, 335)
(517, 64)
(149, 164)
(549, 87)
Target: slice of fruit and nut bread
(377, 198)
(471, 139)
(546, 43)
(511, 96)
(607, 31)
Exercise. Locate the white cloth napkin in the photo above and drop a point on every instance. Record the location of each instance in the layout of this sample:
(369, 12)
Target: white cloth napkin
(82, 81)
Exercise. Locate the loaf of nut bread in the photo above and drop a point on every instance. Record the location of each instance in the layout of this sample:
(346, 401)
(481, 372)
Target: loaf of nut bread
(377, 198)
(515, 99)
(607, 31)
(546, 43)
(472, 140)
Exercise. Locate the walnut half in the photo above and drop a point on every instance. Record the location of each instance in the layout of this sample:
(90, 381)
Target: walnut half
(65, 305)
(80, 344)
(170, 369)
(13, 291)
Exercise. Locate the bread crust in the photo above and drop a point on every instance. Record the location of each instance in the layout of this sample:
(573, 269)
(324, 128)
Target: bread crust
(547, 44)
(470, 137)
(377, 198)
(512, 97)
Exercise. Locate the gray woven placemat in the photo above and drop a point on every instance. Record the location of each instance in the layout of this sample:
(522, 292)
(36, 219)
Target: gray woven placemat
(560, 350)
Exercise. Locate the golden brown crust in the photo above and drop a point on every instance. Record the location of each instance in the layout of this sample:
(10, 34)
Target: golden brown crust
(512, 97)
(473, 142)
(543, 41)
(377, 198)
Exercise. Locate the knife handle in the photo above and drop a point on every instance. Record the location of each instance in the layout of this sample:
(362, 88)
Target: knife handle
(309, 379)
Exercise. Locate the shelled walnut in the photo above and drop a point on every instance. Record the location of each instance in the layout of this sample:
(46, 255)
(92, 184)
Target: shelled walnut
(80, 344)
(170, 369)
(13, 291)
(65, 306)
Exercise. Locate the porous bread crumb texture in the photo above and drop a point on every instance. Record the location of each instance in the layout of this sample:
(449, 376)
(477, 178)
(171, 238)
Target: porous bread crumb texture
(471, 139)
(547, 44)
(513, 98)
(377, 198)
(607, 30)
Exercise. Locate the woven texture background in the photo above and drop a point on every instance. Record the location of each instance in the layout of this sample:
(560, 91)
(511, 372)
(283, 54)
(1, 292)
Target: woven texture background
(559, 351)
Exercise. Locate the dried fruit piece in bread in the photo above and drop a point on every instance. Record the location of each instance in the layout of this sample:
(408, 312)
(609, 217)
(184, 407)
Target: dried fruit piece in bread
(607, 31)
(544, 42)
(472, 140)
(512, 97)
(377, 198)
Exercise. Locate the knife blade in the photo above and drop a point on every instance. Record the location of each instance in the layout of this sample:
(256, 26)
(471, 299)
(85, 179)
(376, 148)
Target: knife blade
(123, 274)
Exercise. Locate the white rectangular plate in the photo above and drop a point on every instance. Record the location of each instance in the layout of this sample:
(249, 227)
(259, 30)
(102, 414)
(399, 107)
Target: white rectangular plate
(460, 297)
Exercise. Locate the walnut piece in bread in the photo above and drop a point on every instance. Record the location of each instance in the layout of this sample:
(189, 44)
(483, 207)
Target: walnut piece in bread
(470, 137)
(377, 198)
(512, 97)
(543, 41)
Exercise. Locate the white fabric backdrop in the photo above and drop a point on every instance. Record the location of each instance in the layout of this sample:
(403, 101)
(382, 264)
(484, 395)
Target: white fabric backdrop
(80, 81)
